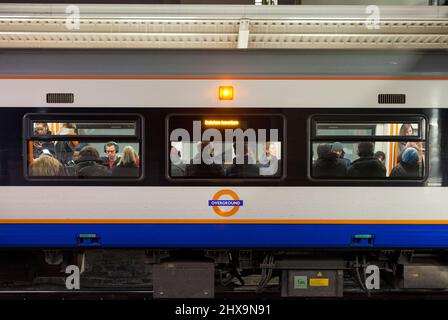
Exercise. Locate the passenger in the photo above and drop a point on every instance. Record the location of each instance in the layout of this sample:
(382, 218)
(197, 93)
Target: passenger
(200, 169)
(89, 164)
(367, 166)
(177, 167)
(46, 166)
(64, 149)
(42, 129)
(338, 148)
(328, 164)
(111, 160)
(127, 166)
(380, 155)
(270, 168)
(406, 130)
(409, 166)
(243, 165)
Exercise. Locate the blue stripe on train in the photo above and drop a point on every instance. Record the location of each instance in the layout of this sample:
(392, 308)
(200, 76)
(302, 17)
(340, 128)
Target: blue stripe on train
(223, 235)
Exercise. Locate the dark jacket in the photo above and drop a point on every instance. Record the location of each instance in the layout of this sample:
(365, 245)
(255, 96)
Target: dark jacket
(246, 169)
(105, 162)
(367, 167)
(403, 170)
(345, 161)
(90, 168)
(48, 145)
(329, 167)
(177, 170)
(130, 170)
(64, 151)
(203, 170)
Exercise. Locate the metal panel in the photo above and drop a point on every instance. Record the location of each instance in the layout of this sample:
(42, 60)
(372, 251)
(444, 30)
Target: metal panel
(228, 63)
(425, 276)
(184, 279)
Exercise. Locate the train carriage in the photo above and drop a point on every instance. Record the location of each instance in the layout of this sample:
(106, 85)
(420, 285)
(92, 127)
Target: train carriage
(289, 198)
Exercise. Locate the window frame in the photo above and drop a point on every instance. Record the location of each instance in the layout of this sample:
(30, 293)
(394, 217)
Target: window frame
(423, 136)
(225, 180)
(28, 135)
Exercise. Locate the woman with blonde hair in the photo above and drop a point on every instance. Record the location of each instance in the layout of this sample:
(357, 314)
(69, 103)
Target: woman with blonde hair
(128, 166)
(46, 166)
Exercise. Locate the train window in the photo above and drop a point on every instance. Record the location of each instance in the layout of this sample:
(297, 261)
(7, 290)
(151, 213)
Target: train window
(73, 148)
(225, 146)
(359, 148)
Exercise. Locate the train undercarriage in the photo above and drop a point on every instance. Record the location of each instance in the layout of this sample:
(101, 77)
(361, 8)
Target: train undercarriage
(218, 273)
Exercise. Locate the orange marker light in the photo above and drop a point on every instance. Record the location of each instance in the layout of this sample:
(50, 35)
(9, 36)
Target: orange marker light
(225, 93)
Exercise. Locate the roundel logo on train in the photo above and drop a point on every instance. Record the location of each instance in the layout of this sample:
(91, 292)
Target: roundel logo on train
(234, 202)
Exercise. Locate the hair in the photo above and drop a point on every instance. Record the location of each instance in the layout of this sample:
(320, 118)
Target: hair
(380, 155)
(46, 166)
(42, 123)
(129, 156)
(365, 149)
(68, 125)
(323, 150)
(89, 153)
(404, 128)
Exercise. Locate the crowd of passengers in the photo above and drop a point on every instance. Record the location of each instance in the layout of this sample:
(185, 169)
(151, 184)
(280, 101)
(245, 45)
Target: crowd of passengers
(243, 165)
(76, 159)
(332, 163)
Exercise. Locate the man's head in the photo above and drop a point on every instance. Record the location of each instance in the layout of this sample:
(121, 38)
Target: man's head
(365, 149)
(380, 155)
(89, 153)
(41, 128)
(323, 150)
(338, 148)
(111, 149)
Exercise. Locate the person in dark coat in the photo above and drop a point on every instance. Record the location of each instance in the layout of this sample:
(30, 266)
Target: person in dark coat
(243, 165)
(409, 166)
(89, 164)
(328, 164)
(367, 166)
(338, 148)
(199, 169)
(41, 147)
(128, 164)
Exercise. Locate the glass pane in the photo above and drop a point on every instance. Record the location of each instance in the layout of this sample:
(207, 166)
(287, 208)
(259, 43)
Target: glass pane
(81, 159)
(226, 147)
(85, 128)
(367, 129)
(398, 160)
